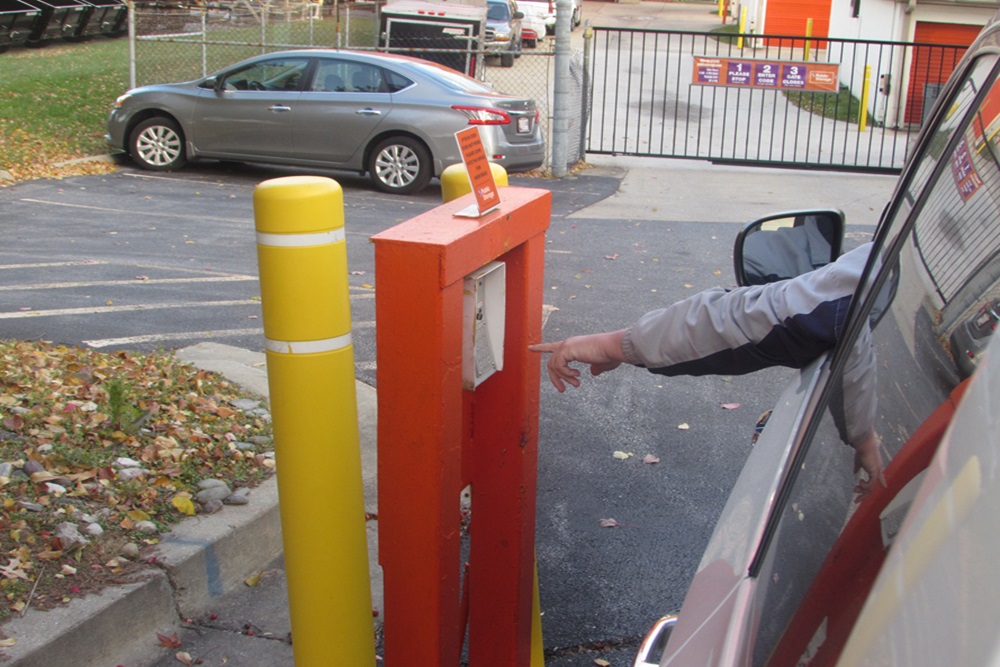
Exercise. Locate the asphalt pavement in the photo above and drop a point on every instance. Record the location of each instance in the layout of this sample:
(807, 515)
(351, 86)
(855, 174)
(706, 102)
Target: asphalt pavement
(667, 226)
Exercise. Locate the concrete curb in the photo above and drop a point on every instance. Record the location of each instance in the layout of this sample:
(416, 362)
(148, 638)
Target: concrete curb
(199, 561)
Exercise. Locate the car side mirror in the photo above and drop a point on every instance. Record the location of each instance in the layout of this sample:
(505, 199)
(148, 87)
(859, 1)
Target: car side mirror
(786, 245)
(211, 82)
(519, 15)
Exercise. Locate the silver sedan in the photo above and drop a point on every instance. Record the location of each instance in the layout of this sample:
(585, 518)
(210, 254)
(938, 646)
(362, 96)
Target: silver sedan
(392, 117)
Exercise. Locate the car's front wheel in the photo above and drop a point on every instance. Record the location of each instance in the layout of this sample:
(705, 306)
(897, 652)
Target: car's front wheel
(158, 144)
(400, 165)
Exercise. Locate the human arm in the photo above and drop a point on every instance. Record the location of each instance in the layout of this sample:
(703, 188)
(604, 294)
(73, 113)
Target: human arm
(602, 351)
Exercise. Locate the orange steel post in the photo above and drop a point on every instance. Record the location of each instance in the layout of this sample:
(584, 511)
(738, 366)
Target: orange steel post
(434, 438)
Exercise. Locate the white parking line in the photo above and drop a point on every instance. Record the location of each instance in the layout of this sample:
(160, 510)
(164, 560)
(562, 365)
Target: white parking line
(46, 265)
(133, 281)
(98, 310)
(158, 338)
(133, 212)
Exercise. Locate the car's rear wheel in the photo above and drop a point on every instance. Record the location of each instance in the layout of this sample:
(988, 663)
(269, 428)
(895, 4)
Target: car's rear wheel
(507, 59)
(400, 165)
(158, 144)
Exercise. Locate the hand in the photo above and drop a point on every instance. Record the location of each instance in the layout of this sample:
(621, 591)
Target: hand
(868, 456)
(602, 351)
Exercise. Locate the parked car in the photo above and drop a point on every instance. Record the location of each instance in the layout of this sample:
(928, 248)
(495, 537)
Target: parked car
(503, 30)
(533, 28)
(390, 116)
(548, 9)
(797, 572)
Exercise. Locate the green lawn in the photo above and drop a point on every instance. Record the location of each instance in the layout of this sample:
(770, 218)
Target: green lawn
(55, 100)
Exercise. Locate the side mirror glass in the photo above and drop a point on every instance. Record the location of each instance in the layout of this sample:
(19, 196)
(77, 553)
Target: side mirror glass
(786, 245)
(211, 82)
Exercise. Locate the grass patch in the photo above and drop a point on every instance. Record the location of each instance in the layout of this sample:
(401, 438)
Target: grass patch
(55, 102)
(841, 105)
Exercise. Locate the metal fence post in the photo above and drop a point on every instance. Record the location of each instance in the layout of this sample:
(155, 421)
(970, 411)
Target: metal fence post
(560, 87)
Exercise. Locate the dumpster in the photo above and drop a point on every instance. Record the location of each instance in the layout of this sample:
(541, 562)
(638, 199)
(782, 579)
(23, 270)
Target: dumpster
(448, 33)
(104, 17)
(17, 20)
(59, 18)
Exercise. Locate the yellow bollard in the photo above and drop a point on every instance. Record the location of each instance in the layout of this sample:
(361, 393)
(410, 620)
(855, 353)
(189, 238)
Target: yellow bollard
(302, 255)
(742, 28)
(808, 46)
(455, 180)
(537, 645)
(865, 92)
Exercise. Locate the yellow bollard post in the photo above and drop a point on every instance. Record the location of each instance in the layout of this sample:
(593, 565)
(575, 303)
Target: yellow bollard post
(742, 28)
(865, 92)
(537, 645)
(302, 254)
(808, 46)
(455, 180)
(722, 10)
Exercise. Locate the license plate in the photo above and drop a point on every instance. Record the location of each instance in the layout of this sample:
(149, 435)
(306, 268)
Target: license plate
(523, 125)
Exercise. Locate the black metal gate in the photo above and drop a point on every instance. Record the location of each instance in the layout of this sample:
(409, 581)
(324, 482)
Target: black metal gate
(764, 99)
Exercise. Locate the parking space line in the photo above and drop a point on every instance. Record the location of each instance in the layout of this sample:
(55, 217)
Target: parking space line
(98, 310)
(133, 212)
(47, 265)
(133, 281)
(159, 338)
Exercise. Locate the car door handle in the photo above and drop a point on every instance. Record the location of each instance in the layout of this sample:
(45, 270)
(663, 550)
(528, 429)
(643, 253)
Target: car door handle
(368, 112)
(278, 108)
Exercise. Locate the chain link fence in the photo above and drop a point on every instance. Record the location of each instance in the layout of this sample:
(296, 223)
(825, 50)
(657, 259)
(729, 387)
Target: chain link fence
(179, 42)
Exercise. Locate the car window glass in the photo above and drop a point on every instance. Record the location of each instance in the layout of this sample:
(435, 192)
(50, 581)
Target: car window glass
(941, 252)
(396, 82)
(498, 11)
(268, 75)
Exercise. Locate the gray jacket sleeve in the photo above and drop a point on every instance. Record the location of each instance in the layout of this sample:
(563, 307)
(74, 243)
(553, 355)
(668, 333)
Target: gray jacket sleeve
(787, 323)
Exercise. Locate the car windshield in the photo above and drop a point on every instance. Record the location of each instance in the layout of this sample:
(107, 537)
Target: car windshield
(498, 11)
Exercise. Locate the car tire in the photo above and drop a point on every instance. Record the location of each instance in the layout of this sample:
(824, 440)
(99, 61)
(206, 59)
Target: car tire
(157, 144)
(400, 165)
(507, 59)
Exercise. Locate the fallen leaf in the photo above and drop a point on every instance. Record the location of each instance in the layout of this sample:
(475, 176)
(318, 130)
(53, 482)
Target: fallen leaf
(184, 505)
(621, 455)
(649, 458)
(614, 256)
(184, 658)
(607, 523)
(253, 579)
(601, 662)
(683, 427)
(9, 641)
(138, 515)
(730, 406)
(170, 641)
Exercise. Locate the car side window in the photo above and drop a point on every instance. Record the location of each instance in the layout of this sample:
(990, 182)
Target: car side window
(935, 275)
(286, 74)
(331, 76)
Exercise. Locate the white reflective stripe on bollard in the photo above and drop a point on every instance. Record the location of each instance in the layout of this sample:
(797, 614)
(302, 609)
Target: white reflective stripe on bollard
(300, 240)
(308, 346)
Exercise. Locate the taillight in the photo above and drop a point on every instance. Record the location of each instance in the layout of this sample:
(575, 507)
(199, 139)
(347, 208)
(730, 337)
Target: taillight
(484, 115)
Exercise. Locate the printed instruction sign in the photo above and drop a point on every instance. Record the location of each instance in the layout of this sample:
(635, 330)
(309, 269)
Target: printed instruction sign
(777, 74)
(484, 187)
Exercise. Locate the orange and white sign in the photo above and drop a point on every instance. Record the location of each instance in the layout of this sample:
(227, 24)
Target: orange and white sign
(484, 187)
